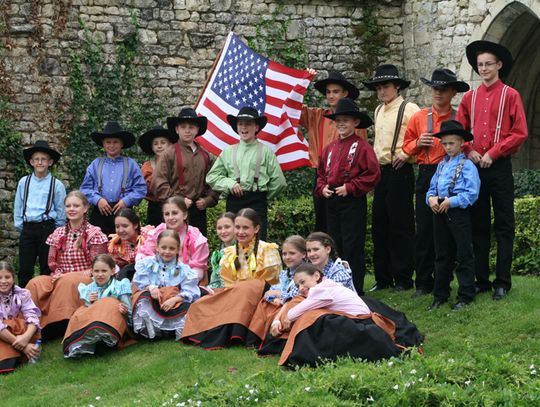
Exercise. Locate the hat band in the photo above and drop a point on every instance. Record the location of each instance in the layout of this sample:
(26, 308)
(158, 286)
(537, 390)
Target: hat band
(441, 82)
(386, 77)
(246, 116)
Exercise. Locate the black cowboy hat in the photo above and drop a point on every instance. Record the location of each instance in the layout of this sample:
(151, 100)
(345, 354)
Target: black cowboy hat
(247, 113)
(445, 78)
(114, 130)
(145, 141)
(386, 73)
(188, 114)
(339, 79)
(504, 55)
(41, 146)
(347, 107)
(455, 128)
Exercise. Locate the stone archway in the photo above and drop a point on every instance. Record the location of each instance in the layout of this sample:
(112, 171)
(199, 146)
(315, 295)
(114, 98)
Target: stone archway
(516, 25)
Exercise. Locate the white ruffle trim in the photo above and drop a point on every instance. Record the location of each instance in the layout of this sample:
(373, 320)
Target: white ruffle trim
(148, 323)
(87, 344)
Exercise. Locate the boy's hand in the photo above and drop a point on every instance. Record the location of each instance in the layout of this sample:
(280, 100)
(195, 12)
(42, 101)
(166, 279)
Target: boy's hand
(327, 192)
(119, 205)
(93, 297)
(200, 204)
(188, 202)
(475, 156)
(237, 190)
(341, 191)
(486, 161)
(104, 207)
(434, 203)
(123, 308)
(444, 205)
(425, 140)
(20, 342)
(31, 351)
(400, 159)
(311, 71)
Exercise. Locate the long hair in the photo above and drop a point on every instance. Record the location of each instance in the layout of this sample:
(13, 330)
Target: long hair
(130, 215)
(5, 266)
(326, 241)
(81, 239)
(310, 270)
(255, 219)
(104, 258)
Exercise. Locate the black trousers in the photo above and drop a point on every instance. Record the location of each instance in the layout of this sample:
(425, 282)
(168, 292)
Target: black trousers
(497, 189)
(105, 222)
(393, 227)
(197, 218)
(453, 236)
(255, 200)
(32, 246)
(319, 209)
(154, 215)
(424, 250)
(346, 220)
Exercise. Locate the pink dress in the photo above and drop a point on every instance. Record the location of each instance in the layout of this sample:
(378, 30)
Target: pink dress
(330, 295)
(194, 248)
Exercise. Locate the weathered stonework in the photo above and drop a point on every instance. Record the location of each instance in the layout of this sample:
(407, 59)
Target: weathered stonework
(181, 39)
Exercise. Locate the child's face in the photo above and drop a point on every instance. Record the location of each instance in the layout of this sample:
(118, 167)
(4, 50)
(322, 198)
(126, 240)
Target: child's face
(244, 230)
(41, 162)
(452, 144)
(187, 131)
(442, 96)
(346, 125)
(387, 92)
(125, 229)
(159, 145)
(334, 93)
(102, 273)
(304, 281)
(174, 217)
(113, 147)
(488, 66)
(6, 281)
(317, 253)
(291, 255)
(247, 130)
(225, 230)
(75, 208)
(167, 249)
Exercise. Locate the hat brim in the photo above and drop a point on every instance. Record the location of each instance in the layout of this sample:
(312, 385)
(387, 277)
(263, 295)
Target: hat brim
(504, 55)
(365, 120)
(128, 139)
(145, 141)
(459, 86)
(201, 121)
(29, 152)
(352, 91)
(467, 136)
(372, 83)
(233, 121)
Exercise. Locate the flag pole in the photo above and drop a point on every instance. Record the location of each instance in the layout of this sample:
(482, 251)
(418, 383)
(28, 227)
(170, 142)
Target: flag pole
(211, 72)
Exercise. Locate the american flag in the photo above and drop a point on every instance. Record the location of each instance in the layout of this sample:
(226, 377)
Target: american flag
(241, 77)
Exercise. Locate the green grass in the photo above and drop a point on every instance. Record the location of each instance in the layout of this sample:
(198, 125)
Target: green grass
(484, 355)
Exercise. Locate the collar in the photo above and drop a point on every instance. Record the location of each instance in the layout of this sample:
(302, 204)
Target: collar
(37, 179)
(115, 159)
(436, 112)
(458, 157)
(396, 102)
(249, 145)
(496, 85)
(347, 139)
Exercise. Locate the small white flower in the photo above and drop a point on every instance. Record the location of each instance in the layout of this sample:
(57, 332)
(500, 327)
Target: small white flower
(533, 372)
(251, 391)
(467, 382)
(370, 398)
(353, 376)
(247, 398)
(182, 404)
(246, 386)
(90, 405)
(396, 387)
(307, 388)
(531, 367)
(420, 379)
(98, 398)
(175, 396)
(413, 371)
(199, 402)
(390, 363)
(407, 385)
(256, 400)
(451, 360)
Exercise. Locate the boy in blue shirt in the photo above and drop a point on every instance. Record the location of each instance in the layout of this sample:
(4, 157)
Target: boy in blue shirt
(453, 189)
(112, 182)
(38, 209)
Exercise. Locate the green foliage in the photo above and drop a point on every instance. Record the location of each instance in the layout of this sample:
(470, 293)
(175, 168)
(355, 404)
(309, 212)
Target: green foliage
(299, 183)
(526, 182)
(103, 91)
(10, 148)
(527, 240)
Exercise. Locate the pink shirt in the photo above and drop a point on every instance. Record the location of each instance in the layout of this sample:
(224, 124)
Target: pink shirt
(333, 296)
(194, 251)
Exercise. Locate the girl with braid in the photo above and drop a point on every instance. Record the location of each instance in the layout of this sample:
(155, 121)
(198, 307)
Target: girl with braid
(72, 249)
(247, 269)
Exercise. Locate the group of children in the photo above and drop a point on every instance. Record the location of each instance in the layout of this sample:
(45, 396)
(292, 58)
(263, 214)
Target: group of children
(97, 285)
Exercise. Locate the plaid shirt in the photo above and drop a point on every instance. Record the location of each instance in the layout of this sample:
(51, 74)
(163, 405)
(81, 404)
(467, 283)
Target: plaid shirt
(340, 272)
(71, 258)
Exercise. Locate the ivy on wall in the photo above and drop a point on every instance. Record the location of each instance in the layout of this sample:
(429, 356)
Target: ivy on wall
(104, 91)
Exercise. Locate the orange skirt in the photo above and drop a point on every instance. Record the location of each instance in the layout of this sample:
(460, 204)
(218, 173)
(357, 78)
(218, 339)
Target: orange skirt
(10, 358)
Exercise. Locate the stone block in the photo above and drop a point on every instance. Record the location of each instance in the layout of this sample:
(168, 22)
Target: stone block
(123, 30)
(220, 5)
(200, 40)
(259, 9)
(49, 66)
(166, 15)
(93, 10)
(182, 15)
(174, 61)
(21, 29)
(169, 37)
(112, 11)
(295, 30)
(104, 26)
(143, 3)
(47, 11)
(197, 5)
(147, 36)
(325, 11)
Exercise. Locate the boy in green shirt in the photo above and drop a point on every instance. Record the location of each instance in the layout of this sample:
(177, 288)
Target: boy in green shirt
(248, 173)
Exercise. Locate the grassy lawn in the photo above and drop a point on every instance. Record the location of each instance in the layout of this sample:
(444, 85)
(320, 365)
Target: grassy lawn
(487, 354)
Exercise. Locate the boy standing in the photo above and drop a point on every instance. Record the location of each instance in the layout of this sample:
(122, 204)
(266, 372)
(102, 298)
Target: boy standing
(453, 189)
(112, 182)
(322, 131)
(183, 168)
(348, 170)
(38, 209)
(494, 114)
(247, 172)
(393, 212)
(419, 142)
